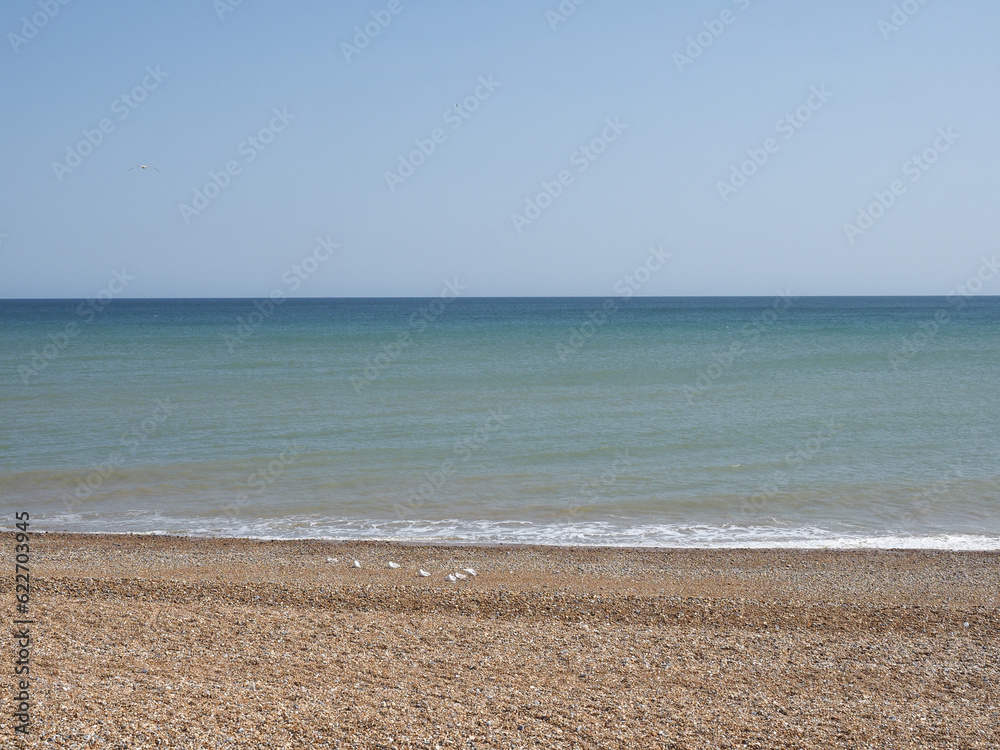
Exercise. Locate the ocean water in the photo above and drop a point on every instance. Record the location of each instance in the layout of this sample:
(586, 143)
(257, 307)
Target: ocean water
(810, 422)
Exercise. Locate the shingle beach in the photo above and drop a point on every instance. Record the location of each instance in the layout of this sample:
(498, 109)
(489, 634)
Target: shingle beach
(155, 642)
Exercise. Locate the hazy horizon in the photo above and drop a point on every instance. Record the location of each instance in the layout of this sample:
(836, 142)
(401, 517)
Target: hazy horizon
(504, 296)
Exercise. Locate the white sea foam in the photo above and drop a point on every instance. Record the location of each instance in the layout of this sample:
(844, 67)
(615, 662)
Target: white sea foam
(619, 533)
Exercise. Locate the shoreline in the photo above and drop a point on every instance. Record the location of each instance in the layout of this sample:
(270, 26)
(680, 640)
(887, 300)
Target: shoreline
(234, 642)
(733, 547)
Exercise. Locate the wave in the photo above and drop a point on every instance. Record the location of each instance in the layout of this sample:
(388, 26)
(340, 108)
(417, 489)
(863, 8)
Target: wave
(582, 534)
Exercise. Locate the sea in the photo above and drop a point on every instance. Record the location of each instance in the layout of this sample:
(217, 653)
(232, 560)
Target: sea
(812, 422)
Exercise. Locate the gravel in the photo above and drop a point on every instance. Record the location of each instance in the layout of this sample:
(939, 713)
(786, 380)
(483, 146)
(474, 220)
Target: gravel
(153, 642)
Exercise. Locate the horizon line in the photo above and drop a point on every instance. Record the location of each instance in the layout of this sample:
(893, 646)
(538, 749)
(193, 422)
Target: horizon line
(498, 297)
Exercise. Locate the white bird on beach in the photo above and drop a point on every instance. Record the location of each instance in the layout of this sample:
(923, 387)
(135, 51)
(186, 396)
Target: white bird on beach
(393, 565)
(470, 571)
(462, 576)
(356, 564)
(423, 573)
(143, 166)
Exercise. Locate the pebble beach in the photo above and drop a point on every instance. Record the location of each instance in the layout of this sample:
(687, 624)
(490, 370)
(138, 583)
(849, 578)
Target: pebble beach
(152, 641)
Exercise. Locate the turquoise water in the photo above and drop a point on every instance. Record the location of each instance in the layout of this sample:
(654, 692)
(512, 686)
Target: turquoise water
(644, 421)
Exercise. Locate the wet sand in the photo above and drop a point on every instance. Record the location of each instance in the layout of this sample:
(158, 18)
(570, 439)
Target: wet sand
(146, 641)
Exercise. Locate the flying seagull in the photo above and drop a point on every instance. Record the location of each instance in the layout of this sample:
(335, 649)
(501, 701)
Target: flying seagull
(143, 166)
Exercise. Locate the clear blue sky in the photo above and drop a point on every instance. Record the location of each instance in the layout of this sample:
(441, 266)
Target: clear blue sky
(64, 231)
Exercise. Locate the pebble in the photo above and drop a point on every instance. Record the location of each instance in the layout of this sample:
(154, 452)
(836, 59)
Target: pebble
(391, 664)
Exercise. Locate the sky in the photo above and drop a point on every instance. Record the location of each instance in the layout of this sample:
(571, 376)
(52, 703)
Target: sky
(382, 148)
